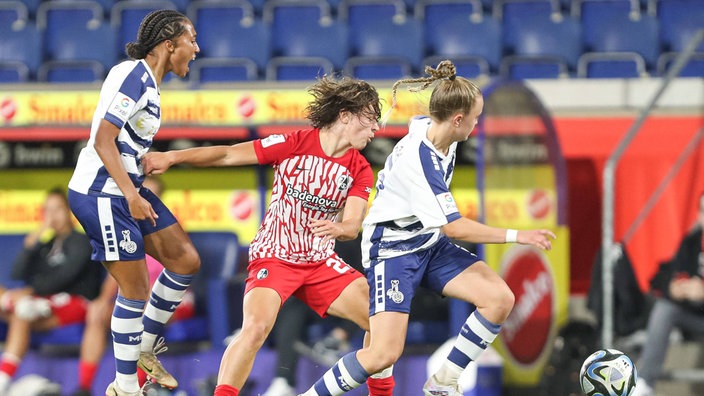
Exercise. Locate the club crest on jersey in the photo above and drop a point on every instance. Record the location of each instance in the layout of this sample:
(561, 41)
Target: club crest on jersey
(343, 182)
(262, 274)
(127, 244)
(394, 293)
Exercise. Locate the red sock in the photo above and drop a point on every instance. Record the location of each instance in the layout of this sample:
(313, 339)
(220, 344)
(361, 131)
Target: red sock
(86, 374)
(226, 390)
(141, 377)
(9, 364)
(381, 386)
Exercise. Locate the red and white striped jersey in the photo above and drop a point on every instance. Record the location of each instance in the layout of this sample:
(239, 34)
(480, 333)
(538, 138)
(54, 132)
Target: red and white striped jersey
(308, 185)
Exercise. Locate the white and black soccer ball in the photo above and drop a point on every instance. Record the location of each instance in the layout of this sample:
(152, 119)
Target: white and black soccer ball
(608, 372)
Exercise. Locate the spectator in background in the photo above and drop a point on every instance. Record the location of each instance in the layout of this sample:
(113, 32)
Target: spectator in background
(681, 306)
(100, 310)
(59, 279)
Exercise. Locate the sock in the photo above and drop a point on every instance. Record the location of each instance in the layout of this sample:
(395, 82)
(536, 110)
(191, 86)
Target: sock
(344, 376)
(167, 292)
(9, 364)
(382, 383)
(141, 377)
(226, 390)
(126, 326)
(476, 334)
(86, 374)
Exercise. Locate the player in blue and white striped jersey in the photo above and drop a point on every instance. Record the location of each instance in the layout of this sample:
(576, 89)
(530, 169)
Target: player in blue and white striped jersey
(125, 220)
(406, 243)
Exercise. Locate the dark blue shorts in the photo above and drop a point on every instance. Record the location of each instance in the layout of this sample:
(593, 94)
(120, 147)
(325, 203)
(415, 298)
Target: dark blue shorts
(392, 282)
(113, 233)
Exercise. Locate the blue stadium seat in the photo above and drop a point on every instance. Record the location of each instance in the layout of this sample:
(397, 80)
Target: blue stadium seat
(312, 40)
(206, 13)
(542, 41)
(71, 71)
(590, 12)
(611, 65)
(126, 15)
(23, 46)
(284, 68)
(12, 72)
(402, 42)
(434, 13)
(218, 26)
(78, 42)
(13, 14)
(286, 13)
(625, 35)
(378, 68)
(679, 20)
(515, 13)
(219, 256)
(362, 14)
(693, 68)
(459, 37)
(529, 67)
(218, 70)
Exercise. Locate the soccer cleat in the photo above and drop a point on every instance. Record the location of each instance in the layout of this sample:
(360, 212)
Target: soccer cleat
(432, 388)
(113, 390)
(152, 366)
(280, 387)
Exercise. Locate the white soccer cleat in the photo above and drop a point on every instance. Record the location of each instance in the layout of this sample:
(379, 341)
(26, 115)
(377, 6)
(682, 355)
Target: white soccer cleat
(280, 387)
(113, 390)
(432, 388)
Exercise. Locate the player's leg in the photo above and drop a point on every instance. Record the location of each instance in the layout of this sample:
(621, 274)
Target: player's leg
(480, 285)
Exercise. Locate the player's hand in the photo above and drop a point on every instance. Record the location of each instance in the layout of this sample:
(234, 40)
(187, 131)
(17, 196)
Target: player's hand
(155, 163)
(538, 238)
(141, 209)
(326, 229)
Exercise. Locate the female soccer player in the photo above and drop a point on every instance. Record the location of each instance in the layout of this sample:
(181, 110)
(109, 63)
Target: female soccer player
(125, 221)
(406, 243)
(321, 186)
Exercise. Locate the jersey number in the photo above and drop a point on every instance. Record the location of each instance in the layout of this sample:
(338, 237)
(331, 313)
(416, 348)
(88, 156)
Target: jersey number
(337, 265)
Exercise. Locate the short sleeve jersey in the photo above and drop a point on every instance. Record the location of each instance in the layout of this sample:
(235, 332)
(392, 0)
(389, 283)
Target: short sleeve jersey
(129, 99)
(413, 197)
(308, 185)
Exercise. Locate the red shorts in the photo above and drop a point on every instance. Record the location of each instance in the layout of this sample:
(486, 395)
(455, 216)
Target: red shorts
(316, 284)
(68, 308)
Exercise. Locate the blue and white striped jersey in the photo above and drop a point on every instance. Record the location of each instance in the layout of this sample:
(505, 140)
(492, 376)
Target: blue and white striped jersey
(413, 198)
(129, 99)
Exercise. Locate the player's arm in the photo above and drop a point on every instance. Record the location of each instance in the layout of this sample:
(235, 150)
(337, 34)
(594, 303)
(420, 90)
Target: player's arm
(235, 155)
(346, 229)
(106, 148)
(468, 230)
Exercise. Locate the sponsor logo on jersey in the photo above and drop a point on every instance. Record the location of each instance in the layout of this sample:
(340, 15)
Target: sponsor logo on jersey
(447, 203)
(272, 140)
(311, 201)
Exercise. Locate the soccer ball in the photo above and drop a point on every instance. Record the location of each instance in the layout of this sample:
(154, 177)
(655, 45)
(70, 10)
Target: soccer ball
(608, 372)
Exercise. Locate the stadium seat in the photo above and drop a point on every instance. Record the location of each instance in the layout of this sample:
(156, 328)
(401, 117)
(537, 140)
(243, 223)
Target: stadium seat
(206, 13)
(219, 256)
(13, 72)
(312, 40)
(515, 11)
(71, 71)
(215, 35)
(434, 13)
(362, 14)
(218, 70)
(378, 68)
(285, 13)
(78, 42)
(516, 67)
(461, 38)
(590, 12)
(284, 68)
(611, 65)
(23, 46)
(402, 42)
(13, 14)
(540, 41)
(679, 20)
(693, 68)
(126, 15)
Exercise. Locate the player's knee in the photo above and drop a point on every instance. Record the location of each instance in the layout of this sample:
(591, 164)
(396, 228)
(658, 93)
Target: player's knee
(255, 333)
(504, 301)
(191, 261)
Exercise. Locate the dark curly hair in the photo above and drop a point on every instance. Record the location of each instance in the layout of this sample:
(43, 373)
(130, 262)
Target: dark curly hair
(333, 95)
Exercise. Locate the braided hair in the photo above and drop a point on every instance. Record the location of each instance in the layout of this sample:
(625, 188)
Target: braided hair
(453, 93)
(157, 26)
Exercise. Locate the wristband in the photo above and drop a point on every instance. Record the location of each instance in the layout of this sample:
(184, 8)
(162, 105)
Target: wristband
(511, 235)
